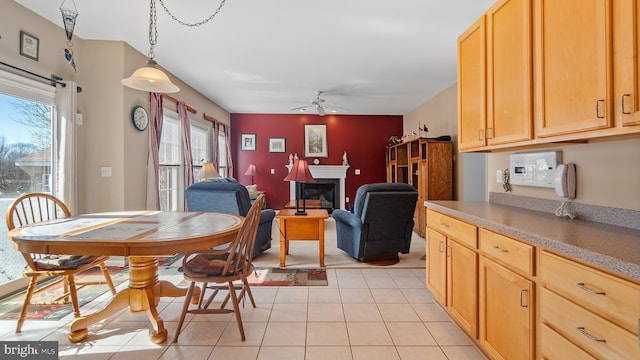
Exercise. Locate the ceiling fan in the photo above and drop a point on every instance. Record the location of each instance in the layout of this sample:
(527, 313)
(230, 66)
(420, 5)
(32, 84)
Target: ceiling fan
(320, 104)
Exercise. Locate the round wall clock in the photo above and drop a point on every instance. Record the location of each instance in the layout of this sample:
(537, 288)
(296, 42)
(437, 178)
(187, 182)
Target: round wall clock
(139, 117)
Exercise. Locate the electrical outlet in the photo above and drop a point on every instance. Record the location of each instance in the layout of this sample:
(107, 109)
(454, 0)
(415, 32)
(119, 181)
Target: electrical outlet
(357, 171)
(273, 171)
(499, 176)
(346, 199)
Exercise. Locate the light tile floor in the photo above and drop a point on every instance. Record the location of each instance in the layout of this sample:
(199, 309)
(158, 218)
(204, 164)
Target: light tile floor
(362, 314)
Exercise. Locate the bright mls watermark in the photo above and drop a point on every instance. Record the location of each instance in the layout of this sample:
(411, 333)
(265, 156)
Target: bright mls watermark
(30, 350)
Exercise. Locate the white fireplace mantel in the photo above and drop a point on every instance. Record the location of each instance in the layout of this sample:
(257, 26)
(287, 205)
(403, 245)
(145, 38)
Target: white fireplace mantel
(324, 172)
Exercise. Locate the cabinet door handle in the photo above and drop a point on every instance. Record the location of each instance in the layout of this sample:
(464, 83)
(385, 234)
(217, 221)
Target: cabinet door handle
(598, 109)
(584, 332)
(589, 290)
(498, 248)
(444, 225)
(489, 133)
(480, 135)
(441, 246)
(622, 104)
(524, 292)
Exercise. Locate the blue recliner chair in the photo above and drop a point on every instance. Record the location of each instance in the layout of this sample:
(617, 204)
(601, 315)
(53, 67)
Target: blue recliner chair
(228, 196)
(380, 224)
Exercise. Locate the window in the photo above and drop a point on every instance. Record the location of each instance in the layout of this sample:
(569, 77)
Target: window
(27, 115)
(170, 179)
(171, 183)
(200, 146)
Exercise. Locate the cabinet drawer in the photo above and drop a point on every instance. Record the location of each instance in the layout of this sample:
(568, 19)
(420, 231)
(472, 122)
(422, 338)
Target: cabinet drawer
(556, 347)
(604, 294)
(453, 228)
(511, 252)
(586, 329)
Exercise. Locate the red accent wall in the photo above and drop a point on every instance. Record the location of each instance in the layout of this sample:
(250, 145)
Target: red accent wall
(363, 137)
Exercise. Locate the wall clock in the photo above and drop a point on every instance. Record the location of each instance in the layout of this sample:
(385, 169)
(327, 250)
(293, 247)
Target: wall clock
(139, 117)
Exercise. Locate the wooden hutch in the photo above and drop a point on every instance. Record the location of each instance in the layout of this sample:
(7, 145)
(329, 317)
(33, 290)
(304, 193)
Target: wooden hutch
(427, 164)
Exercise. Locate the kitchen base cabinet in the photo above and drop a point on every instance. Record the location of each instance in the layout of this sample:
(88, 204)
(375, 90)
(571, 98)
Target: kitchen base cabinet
(593, 310)
(452, 268)
(437, 265)
(506, 312)
(462, 280)
(558, 348)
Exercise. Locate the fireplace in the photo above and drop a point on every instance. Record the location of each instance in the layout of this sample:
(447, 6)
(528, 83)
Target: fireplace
(334, 174)
(324, 190)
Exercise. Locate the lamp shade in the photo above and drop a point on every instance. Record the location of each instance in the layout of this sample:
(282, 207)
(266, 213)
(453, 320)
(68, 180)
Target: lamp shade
(208, 172)
(251, 170)
(300, 172)
(151, 79)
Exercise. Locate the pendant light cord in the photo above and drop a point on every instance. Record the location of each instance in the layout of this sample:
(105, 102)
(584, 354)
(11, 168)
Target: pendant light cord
(195, 23)
(153, 28)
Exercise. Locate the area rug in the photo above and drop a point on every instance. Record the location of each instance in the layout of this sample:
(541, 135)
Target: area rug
(288, 277)
(10, 307)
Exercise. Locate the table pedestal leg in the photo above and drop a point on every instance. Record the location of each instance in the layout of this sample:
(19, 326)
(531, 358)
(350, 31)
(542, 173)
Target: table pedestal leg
(143, 294)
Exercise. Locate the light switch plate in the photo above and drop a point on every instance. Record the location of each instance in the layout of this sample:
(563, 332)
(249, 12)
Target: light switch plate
(105, 171)
(273, 171)
(357, 172)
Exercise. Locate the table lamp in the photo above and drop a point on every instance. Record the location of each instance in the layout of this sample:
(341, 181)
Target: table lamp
(252, 171)
(207, 172)
(300, 173)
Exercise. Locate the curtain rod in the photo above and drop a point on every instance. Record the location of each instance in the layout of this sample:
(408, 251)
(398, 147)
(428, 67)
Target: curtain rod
(189, 107)
(53, 80)
(208, 117)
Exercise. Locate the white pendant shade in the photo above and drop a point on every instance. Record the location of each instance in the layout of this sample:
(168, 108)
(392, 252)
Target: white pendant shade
(151, 79)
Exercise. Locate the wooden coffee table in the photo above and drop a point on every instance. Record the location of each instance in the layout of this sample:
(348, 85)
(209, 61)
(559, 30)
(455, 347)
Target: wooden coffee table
(301, 227)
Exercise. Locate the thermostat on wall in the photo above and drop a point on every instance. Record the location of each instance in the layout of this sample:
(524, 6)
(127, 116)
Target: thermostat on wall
(534, 169)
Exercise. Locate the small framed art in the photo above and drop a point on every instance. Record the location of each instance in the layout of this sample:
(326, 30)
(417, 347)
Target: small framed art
(276, 145)
(315, 140)
(29, 45)
(248, 142)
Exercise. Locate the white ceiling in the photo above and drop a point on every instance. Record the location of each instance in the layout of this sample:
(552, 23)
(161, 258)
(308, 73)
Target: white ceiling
(270, 56)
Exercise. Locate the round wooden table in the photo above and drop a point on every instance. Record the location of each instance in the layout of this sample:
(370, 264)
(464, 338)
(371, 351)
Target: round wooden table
(142, 236)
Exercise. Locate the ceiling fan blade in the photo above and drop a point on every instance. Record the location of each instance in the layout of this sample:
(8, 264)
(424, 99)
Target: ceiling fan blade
(301, 107)
(320, 110)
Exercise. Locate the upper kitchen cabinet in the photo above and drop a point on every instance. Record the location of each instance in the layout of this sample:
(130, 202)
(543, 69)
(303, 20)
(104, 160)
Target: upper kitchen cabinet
(509, 112)
(626, 44)
(472, 87)
(572, 66)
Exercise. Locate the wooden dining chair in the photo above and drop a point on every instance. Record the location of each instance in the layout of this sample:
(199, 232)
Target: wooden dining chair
(38, 207)
(218, 269)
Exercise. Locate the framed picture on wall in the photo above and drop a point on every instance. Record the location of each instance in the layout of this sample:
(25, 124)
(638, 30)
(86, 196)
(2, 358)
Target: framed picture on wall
(248, 142)
(315, 140)
(276, 145)
(29, 45)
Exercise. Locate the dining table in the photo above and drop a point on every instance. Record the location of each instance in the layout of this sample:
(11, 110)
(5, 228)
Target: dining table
(140, 236)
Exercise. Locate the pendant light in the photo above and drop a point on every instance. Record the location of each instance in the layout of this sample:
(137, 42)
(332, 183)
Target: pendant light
(149, 78)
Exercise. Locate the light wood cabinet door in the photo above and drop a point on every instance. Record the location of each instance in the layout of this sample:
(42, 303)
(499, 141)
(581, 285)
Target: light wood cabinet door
(462, 285)
(509, 77)
(506, 312)
(626, 44)
(472, 87)
(437, 265)
(572, 66)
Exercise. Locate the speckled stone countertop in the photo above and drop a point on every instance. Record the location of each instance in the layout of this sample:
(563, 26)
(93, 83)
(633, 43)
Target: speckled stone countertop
(609, 247)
